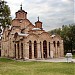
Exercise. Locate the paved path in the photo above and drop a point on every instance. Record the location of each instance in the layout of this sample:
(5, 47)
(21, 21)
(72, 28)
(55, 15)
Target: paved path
(57, 60)
(53, 60)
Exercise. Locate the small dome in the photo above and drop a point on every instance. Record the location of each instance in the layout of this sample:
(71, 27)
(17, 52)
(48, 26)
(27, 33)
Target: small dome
(53, 36)
(21, 34)
(36, 29)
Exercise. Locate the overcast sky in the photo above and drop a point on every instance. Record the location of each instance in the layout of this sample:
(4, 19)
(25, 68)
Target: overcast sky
(53, 13)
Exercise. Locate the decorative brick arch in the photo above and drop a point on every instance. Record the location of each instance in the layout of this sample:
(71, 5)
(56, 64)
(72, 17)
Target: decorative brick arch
(32, 37)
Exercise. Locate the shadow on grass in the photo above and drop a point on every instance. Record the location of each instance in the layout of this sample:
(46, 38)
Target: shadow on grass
(6, 60)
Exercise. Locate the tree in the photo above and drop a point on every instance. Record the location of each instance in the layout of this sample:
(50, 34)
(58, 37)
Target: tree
(55, 31)
(68, 35)
(5, 19)
(71, 36)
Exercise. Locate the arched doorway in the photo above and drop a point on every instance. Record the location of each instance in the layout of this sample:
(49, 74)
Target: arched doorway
(45, 49)
(30, 50)
(35, 49)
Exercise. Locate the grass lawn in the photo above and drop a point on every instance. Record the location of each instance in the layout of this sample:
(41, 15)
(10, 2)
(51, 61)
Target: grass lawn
(11, 67)
(74, 56)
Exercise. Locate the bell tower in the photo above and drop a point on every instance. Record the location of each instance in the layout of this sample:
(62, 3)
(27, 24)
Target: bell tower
(38, 24)
(21, 14)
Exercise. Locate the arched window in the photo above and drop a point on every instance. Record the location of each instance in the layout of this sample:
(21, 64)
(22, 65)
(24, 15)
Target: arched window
(16, 34)
(15, 51)
(58, 44)
(22, 50)
(54, 43)
(45, 49)
(49, 48)
(35, 49)
(30, 49)
(18, 50)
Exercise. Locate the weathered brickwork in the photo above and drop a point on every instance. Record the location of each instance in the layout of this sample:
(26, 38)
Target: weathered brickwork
(27, 41)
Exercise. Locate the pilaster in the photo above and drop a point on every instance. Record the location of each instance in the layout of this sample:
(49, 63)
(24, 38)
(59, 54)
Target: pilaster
(32, 50)
(38, 51)
(47, 49)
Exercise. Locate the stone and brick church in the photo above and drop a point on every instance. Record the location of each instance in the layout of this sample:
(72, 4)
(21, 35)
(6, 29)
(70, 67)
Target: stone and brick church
(23, 40)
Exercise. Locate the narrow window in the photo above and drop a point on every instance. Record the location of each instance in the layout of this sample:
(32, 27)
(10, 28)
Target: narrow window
(58, 44)
(18, 50)
(30, 50)
(35, 49)
(49, 48)
(54, 43)
(22, 50)
(15, 50)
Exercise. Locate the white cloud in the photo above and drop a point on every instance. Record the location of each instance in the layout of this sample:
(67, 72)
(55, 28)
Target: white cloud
(53, 13)
(68, 1)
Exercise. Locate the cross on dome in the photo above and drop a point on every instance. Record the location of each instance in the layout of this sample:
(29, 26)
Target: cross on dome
(21, 6)
(38, 18)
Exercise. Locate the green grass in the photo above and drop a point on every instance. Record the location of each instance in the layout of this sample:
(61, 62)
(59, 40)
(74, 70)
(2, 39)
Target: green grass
(11, 67)
(73, 55)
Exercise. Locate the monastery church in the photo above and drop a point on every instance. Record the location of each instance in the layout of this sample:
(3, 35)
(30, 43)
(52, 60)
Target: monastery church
(23, 40)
